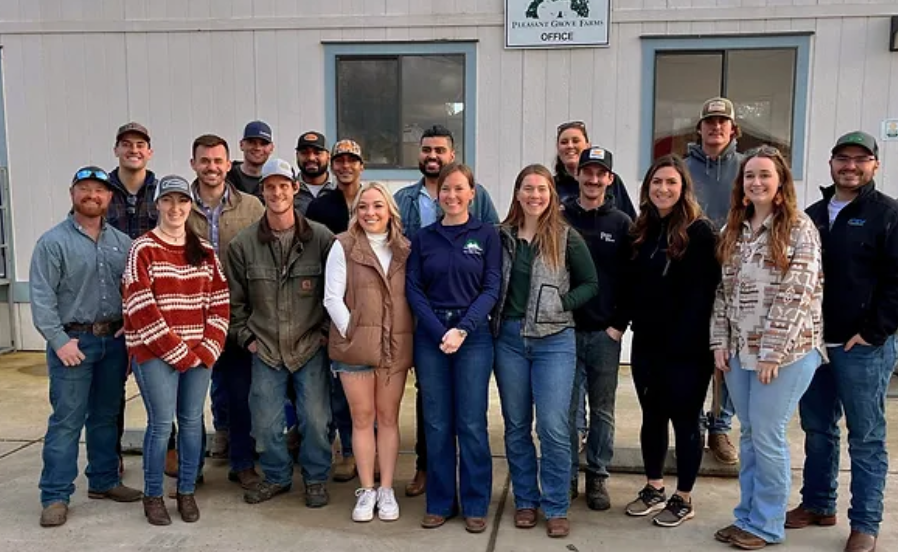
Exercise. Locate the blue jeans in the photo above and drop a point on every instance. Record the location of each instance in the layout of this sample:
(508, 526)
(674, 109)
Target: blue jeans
(236, 368)
(722, 424)
(88, 395)
(598, 362)
(167, 393)
(311, 382)
(580, 389)
(342, 420)
(765, 472)
(537, 372)
(221, 413)
(854, 382)
(455, 397)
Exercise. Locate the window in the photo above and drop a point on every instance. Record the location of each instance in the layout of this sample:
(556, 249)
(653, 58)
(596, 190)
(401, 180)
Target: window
(385, 95)
(765, 77)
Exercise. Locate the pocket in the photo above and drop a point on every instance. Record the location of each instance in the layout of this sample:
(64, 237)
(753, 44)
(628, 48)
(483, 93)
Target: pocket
(549, 309)
(307, 279)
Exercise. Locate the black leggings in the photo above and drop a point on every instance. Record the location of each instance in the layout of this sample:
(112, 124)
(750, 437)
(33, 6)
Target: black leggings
(671, 391)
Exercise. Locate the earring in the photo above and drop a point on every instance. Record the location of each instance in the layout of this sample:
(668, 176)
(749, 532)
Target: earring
(778, 199)
(745, 201)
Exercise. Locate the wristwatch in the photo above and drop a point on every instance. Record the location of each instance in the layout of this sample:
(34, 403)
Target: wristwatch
(462, 333)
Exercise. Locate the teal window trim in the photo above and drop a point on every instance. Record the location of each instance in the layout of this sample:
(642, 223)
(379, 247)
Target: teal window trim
(651, 45)
(467, 48)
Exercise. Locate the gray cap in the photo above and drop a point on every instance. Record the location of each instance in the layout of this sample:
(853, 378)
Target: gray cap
(280, 167)
(172, 184)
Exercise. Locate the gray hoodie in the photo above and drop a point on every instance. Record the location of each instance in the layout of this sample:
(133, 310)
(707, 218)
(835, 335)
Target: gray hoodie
(713, 180)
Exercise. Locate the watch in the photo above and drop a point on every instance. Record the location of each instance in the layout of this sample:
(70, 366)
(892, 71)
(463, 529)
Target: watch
(461, 332)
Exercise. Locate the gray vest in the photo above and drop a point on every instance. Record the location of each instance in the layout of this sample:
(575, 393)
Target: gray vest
(545, 315)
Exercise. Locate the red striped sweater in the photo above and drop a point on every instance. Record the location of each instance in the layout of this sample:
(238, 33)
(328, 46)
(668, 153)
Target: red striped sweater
(174, 311)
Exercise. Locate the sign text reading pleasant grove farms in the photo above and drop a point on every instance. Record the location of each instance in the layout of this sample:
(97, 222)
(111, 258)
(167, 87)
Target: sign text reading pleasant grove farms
(556, 23)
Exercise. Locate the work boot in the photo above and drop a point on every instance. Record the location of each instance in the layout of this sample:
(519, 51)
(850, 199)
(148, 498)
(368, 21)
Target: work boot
(155, 511)
(264, 491)
(190, 512)
(54, 514)
(220, 443)
(247, 478)
(723, 449)
(860, 542)
(596, 494)
(119, 493)
(418, 485)
(316, 495)
(345, 469)
(799, 518)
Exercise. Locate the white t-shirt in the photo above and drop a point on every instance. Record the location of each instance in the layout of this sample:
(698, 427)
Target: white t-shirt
(834, 208)
(315, 188)
(335, 278)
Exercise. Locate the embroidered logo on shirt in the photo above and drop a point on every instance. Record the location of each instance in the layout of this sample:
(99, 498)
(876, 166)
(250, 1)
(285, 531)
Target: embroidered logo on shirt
(606, 237)
(856, 222)
(472, 247)
(306, 285)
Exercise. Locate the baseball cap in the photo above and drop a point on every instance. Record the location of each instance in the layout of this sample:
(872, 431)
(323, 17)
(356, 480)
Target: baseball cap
(312, 139)
(718, 107)
(172, 184)
(349, 147)
(257, 129)
(857, 138)
(136, 128)
(280, 167)
(596, 156)
(91, 172)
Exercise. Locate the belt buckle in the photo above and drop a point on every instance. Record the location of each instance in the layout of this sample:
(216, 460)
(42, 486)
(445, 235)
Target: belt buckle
(100, 329)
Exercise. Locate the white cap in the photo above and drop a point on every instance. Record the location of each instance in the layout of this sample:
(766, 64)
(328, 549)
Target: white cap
(277, 167)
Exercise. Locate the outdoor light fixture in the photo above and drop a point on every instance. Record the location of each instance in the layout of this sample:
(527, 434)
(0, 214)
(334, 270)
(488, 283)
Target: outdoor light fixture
(893, 35)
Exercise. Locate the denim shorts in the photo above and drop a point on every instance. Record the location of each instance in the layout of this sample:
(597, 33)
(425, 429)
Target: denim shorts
(338, 367)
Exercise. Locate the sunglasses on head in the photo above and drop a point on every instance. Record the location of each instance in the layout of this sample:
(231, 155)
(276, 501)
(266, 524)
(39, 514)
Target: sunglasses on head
(572, 124)
(97, 174)
(763, 150)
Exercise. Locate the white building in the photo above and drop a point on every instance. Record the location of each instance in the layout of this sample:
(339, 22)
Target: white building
(800, 71)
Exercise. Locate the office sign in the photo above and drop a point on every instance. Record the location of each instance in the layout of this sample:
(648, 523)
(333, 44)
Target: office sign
(557, 23)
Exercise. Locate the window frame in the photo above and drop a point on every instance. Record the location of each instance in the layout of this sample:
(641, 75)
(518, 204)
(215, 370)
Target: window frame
(390, 49)
(800, 42)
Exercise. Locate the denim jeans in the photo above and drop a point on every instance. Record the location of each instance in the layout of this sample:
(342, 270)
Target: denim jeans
(88, 395)
(236, 368)
(765, 473)
(167, 393)
(342, 420)
(221, 413)
(579, 416)
(723, 423)
(455, 397)
(598, 361)
(537, 372)
(311, 382)
(854, 382)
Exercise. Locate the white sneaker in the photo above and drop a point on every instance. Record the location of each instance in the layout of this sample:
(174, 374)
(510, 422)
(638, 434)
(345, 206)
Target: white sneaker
(364, 506)
(387, 507)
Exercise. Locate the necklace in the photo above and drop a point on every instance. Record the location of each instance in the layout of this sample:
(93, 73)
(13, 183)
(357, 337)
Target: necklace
(172, 236)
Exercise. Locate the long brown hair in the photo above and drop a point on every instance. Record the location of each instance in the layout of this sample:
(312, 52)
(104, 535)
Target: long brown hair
(785, 210)
(551, 225)
(686, 211)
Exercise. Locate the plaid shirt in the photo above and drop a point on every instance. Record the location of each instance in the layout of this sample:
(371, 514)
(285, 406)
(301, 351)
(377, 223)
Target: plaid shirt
(133, 214)
(213, 215)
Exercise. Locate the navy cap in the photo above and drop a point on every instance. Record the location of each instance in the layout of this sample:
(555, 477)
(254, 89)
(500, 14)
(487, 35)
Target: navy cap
(92, 172)
(257, 129)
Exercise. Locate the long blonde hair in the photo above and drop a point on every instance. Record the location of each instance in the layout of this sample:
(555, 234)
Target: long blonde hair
(550, 226)
(394, 226)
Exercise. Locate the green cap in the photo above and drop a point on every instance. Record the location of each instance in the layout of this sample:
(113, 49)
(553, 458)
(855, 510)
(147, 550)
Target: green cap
(857, 138)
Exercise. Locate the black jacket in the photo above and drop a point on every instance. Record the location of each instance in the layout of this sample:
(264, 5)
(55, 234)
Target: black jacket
(567, 187)
(244, 183)
(670, 301)
(606, 231)
(330, 210)
(860, 266)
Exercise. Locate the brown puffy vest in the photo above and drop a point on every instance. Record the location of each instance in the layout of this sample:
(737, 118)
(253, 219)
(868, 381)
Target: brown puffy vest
(380, 326)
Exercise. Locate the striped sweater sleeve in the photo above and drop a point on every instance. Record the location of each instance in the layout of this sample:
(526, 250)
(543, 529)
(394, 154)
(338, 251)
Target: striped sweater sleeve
(790, 310)
(218, 312)
(143, 314)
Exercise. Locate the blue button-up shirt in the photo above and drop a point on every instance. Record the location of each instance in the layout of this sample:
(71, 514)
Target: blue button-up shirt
(429, 208)
(213, 215)
(75, 279)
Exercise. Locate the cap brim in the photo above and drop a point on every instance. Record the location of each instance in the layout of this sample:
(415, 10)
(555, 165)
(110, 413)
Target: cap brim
(594, 162)
(313, 146)
(170, 192)
(724, 115)
(133, 131)
(257, 137)
(839, 147)
(107, 183)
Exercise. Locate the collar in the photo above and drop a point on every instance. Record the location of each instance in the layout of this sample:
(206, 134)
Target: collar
(303, 228)
(830, 191)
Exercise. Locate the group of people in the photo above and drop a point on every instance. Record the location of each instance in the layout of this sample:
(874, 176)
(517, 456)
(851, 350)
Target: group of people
(325, 294)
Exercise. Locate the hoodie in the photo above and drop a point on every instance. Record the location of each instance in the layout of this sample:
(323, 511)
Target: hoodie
(567, 187)
(713, 179)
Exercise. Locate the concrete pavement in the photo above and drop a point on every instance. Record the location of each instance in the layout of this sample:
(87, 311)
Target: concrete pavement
(285, 524)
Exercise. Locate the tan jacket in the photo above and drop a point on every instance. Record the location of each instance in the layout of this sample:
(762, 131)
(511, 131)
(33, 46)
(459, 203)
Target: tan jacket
(240, 211)
(380, 325)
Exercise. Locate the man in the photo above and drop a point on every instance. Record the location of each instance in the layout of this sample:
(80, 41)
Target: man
(76, 305)
(275, 272)
(419, 207)
(256, 145)
(601, 322)
(132, 209)
(713, 163)
(219, 212)
(333, 210)
(313, 159)
(859, 234)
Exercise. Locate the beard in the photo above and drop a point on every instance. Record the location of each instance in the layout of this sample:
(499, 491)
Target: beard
(89, 209)
(312, 173)
(422, 166)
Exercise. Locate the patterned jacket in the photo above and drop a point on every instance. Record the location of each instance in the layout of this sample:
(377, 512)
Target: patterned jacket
(763, 314)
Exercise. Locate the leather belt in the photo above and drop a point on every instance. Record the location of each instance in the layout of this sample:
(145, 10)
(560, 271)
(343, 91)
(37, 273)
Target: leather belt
(99, 329)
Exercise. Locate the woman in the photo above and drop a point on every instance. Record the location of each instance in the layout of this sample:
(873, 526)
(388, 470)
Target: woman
(675, 274)
(570, 140)
(370, 340)
(176, 320)
(452, 285)
(766, 334)
(547, 272)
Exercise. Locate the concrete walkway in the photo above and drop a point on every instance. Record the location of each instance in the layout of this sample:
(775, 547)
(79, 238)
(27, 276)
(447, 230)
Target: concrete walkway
(285, 524)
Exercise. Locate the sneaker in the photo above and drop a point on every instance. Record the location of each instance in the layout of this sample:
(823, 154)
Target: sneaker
(316, 495)
(723, 449)
(675, 512)
(364, 505)
(596, 493)
(387, 507)
(649, 501)
(582, 444)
